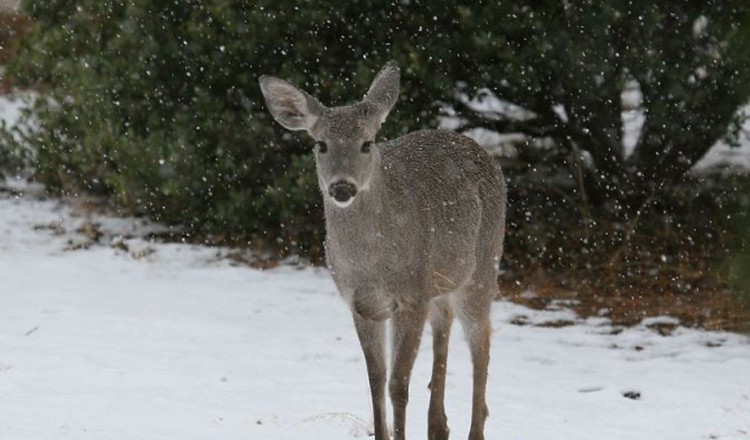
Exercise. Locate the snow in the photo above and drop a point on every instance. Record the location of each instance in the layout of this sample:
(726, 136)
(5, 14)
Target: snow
(11, 108)
(726, 157)
(122, 337)
(127, 338)
(721, 157)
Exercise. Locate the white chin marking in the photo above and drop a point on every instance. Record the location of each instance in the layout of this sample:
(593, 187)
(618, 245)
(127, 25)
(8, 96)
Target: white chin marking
(343, 204)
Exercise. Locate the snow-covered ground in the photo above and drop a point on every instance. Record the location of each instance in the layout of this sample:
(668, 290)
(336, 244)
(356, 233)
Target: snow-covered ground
(106, 335)
(123, 338)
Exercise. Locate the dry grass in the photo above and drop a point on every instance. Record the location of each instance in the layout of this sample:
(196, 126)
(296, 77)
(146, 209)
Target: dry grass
(710, 304)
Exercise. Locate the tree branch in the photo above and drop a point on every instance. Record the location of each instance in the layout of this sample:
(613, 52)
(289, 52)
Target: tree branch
(540, 126)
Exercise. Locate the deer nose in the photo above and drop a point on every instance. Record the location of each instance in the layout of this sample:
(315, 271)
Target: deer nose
(342, 191)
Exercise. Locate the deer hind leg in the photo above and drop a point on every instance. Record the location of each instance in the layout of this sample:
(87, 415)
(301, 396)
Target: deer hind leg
(474, 314)
(372, 340)
(407, 333)
(441, 318)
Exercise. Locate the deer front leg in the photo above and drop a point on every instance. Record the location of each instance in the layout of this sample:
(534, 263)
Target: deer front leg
(372, 340)
(407, 333)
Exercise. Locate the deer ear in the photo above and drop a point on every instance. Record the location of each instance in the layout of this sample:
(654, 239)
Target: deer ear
(384, 90)
(290, 106)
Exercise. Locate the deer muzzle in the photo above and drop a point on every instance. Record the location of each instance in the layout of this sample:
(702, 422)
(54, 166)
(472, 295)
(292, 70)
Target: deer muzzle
(342, 192)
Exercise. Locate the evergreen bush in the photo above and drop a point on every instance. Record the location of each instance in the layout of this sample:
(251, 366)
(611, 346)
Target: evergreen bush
(156, 104)
(12, 27)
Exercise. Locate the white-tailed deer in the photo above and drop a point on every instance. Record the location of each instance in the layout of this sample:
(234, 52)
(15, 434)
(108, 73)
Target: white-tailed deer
(415, 230)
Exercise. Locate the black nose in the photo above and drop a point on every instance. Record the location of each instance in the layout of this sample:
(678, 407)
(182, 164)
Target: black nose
(342, 191)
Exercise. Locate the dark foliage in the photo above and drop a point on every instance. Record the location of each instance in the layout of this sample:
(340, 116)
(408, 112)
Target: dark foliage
(156, 105)
(740, 261)
(12, 27)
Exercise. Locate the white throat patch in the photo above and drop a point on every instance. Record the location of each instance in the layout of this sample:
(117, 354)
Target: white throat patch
(343, 204)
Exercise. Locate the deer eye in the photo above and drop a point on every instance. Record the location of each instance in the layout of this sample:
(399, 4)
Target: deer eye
(366, 147)
(322, 147)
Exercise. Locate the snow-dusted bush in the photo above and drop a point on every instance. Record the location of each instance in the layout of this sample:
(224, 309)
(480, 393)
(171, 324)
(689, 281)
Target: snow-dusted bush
(156, 104)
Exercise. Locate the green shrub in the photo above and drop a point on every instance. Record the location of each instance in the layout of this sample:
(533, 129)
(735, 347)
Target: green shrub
(740, 261)
(156, 104)
(12, 28)
(741, 272)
